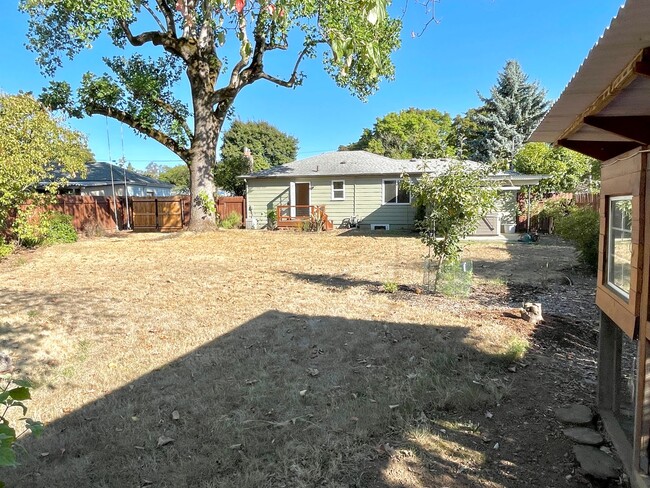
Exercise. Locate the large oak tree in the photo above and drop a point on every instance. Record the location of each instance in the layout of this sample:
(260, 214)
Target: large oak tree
(162, 41)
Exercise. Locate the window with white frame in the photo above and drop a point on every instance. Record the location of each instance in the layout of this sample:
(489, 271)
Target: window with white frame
(619, 245)
(393, 194)
(338, 190)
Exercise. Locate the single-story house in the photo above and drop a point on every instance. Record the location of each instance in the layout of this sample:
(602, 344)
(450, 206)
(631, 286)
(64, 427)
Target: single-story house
(101, 178)
(362, 189)
(604, 112)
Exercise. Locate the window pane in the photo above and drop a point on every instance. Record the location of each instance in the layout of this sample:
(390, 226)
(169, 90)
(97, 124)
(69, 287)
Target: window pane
(337, 185)
(390, 191)
(619, 239)
(403, 197)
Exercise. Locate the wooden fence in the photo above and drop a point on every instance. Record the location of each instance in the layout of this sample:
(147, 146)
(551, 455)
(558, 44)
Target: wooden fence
(228, 205)
(545, 224)
(145, 213)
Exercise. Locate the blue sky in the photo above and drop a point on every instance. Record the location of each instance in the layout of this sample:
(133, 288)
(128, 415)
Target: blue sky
(442, 69)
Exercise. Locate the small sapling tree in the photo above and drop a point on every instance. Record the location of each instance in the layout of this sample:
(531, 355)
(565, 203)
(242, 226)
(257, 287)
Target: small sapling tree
(453, 203)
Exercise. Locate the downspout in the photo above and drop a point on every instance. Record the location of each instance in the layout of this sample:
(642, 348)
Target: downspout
(528, 211)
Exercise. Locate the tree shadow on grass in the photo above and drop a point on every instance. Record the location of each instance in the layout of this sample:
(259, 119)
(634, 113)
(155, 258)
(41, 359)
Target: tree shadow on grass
(286, 400)
(337, 281)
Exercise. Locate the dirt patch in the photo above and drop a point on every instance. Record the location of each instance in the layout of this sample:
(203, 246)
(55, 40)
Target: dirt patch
(288, 366)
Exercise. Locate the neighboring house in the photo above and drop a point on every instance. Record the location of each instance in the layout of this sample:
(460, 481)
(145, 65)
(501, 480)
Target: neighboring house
(101, 178)
(361, 187)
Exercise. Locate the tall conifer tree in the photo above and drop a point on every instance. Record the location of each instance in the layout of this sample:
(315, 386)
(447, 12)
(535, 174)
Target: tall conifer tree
(509, 115)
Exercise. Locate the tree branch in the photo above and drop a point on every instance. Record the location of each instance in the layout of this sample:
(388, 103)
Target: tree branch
(235, 76)
(153, 14)
(132, 122)
(169, 17)
(169, 42)
(169, 108)
(291, 82)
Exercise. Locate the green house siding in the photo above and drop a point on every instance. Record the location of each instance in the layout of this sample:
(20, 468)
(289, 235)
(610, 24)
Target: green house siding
(363, 199)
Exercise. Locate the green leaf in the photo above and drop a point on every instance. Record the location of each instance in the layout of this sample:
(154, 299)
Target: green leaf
(24, 383)
(20, 393)
(7, 457)
(35, 426)
(21, 405)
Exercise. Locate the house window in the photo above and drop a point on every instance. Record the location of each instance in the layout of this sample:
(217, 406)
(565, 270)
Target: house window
(394, 195)
(619, 245)
(338, 190)
(150, 193)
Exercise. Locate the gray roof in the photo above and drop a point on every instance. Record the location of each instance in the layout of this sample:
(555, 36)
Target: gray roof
(349, 163)
(358, 163)
(627, 35)
(99, 174)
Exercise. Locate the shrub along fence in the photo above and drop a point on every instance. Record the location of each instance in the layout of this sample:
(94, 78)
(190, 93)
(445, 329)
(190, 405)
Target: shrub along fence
(545, 224)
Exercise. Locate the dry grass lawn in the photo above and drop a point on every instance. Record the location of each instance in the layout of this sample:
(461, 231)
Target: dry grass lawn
(272, 359)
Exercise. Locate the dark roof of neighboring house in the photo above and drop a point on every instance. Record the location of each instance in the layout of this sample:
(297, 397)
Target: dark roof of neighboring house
(99, 174)
(607, 71)
(359, 163)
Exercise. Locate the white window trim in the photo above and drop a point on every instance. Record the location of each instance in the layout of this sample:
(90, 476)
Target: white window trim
(617, 289)
(343, 189)
(383, 192)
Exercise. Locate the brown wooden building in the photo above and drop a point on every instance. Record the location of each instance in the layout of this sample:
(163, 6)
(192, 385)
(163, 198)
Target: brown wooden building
(604, 112)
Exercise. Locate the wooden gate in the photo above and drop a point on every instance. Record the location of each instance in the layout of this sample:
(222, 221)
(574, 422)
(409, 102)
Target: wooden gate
(158, 213)
(228, 205)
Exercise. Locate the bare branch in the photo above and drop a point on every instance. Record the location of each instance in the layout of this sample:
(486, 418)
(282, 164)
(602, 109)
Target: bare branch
(169, 16)
(132, 122)
(155, 17)
(169, 42)
(235, 76)
(291, 82)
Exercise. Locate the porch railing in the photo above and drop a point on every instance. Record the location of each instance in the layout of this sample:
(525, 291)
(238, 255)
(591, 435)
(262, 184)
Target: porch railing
(292, 213)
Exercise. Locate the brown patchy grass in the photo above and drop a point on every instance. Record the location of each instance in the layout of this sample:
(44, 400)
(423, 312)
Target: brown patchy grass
(287, 364)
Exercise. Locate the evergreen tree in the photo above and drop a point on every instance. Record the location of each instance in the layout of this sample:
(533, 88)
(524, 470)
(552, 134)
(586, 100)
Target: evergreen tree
(509, 115)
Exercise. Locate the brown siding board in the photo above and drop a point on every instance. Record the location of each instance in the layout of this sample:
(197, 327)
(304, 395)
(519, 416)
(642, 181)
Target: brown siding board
(614, 308)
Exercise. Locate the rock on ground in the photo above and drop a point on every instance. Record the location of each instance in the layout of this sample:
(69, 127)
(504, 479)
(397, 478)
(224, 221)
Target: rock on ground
(584, 435)
(595, 462)
(575, 414)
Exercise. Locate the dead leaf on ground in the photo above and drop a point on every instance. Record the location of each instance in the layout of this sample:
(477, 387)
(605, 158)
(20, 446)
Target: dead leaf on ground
(176, 415)
(313, 372)
(164, 440)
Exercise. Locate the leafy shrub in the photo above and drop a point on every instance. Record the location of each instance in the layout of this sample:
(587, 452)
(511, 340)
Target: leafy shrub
(390, 287)
(34, 229)
(13, 394)
(581, 226)
(58, 228)
(515, 350)
(272, 219)
(232, 221)
(5, 249)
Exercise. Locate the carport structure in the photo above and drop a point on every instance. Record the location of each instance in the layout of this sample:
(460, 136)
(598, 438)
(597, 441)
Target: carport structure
(604, 112)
